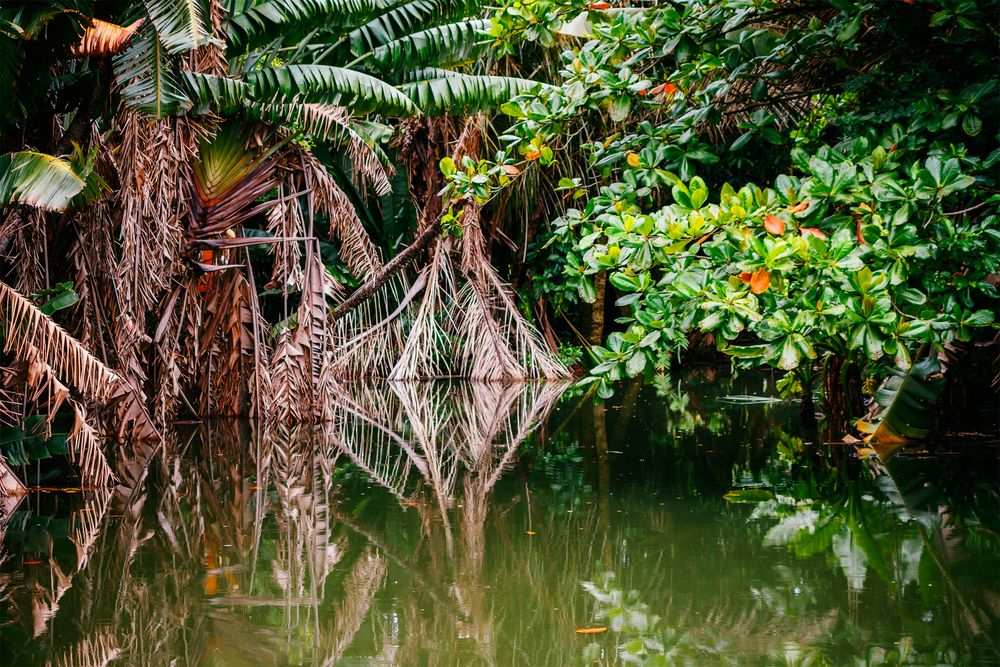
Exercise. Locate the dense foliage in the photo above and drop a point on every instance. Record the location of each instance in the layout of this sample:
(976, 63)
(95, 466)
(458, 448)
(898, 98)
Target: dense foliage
(861, 138)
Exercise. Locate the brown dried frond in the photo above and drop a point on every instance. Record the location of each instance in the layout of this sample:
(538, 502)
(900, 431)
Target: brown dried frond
(104, 39)
(285, 220)
(426, 351)
(31, 334)
(10, 485)
(357, 249)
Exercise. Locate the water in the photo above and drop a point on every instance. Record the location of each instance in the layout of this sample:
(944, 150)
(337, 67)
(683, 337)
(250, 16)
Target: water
(465, 525)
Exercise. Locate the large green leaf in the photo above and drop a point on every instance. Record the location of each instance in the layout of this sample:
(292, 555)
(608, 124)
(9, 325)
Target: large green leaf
(214, 93)
(265, 18)
(148, 79)
(442, 46)
(406, 18)
(905, 404)
(465, 93)
(37, 179)
(332, 85)
(182, 25)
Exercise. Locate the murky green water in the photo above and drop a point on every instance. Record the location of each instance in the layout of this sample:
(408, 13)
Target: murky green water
(437, 525)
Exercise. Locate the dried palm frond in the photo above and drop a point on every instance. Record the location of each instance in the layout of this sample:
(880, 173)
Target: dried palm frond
(301, 368)
(29, 334)
(285, 220)
(153, 167)
(30, 250)
(426, 352)
(495, 340)
(370, 164)
(10, 485)
(104, 39)
(329, 201)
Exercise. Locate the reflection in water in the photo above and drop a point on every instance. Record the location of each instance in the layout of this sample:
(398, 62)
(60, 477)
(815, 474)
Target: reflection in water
(456, 524)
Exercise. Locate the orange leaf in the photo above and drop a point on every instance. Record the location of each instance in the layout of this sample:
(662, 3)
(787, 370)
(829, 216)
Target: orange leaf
(745, 277)
(408, 503)
(103, 39)
(798, 208)
(511, 170)
(590, 631)
(643, 92)
(533, 155)
(812, 231)
(760, 281)
(530, 532)
(774, 224)
(670, 89)
(599, 6)
(633, 159)
(861, 237)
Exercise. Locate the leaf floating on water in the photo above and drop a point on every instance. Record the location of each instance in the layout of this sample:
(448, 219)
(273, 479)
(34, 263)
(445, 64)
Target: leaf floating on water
(590, 631)
(749, 496)
(408, 503)
(530, 532)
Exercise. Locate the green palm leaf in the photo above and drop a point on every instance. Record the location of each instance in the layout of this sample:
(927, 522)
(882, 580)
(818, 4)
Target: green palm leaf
(264, 18)
(905, 404)
(182, 25)
(457, 94)
(214, 93)
(37, 179)
(407, 18)
(442, 45)
(333, 85)
(148, 79)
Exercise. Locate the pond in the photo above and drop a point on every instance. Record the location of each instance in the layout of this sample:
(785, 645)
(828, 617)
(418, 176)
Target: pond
(684, 523)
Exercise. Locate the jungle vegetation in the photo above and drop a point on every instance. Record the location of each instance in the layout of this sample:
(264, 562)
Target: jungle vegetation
(226, 208)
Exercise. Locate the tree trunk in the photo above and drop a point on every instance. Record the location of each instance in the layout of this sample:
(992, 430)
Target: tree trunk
(595, 335)
(843, 403)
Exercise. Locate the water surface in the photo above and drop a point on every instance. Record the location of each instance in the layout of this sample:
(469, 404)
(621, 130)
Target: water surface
(462, 524)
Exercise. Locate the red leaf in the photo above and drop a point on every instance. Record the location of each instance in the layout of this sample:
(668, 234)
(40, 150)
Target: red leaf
(774, 224)
(812, 231)
(670, 89)
(511, 170)
(760, 281)
(599, 6)
(745, 277)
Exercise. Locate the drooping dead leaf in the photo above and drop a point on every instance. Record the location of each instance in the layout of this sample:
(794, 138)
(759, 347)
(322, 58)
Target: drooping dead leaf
(104, 39)
(760, 281)
(774, 225)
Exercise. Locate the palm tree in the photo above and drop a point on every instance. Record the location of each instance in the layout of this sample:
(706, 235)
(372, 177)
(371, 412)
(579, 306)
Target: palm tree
(156, 147)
